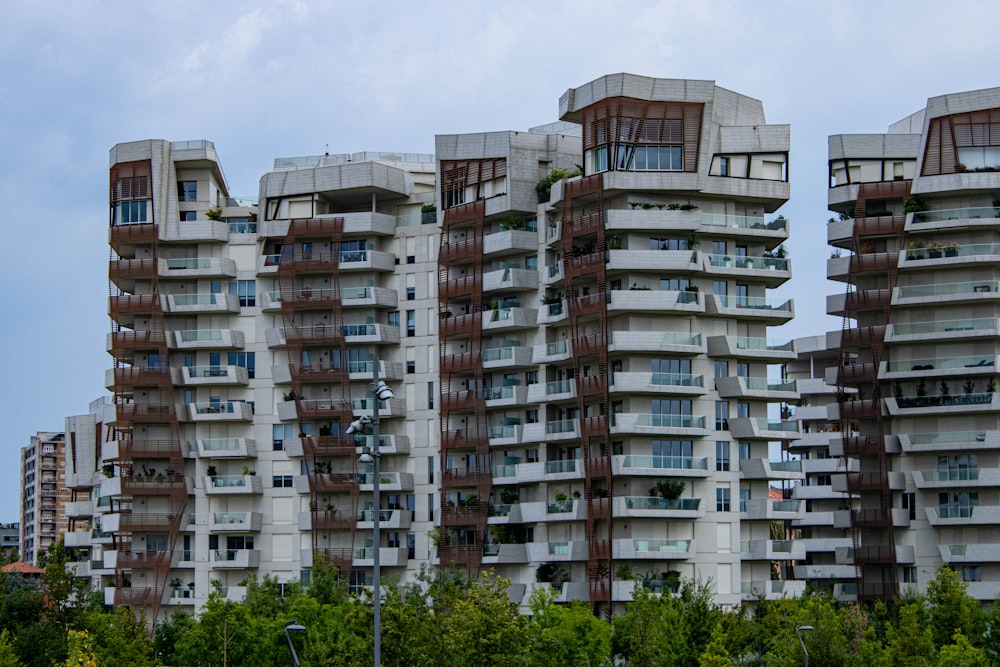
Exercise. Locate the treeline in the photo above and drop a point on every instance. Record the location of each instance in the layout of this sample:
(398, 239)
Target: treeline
(447, 620)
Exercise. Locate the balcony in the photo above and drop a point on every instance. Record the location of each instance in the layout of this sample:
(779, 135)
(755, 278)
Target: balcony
(225, 448)
(233, 485)
(745, 347)
(950, 255)
(772, 550)
(971, 291)
(660, 466)
(366, 406)
(189, 376)
(79, 509)
(570, 550)
(672, 261)
(202, 304)
(551, 352)
(240, 522)
(771, 470)
(505, 435)
(197, 267)
(654, 341)
(561, 469)
(773, 590)
(771, 271)
(653, 549)
(397, 519)
(239, 559)
(223, 411)
(388, 557)
(970, 553)
(955, 218)
(981, 364)
(655, 301)
(507, 357)
(497, 397)
(943, 441)
(379, 334)
(771, 510)
(678, 384)
(752, 226)
(658, 424)
(763, 428)
(959, 404)
(197, 339)
(388, 481)
(965, 477)
(653, 507)
(934, 330)
(510, 280)
(509, 319)
(750, 307)
(370, 297)
(366, 260)
(759, 388)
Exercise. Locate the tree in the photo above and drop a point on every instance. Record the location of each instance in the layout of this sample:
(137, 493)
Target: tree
(565, 635)
(950, 608)
(961, 654)
(8, 656)
(119, 638)
(912, 644)
(483, 626)
(81, 650)
(226, 634)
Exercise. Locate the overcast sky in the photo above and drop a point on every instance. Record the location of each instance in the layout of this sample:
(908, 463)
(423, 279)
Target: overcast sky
(284, 78)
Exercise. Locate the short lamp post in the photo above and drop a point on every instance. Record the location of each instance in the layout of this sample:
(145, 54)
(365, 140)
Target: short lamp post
(295, 627)
(798, 633)
(371, 455)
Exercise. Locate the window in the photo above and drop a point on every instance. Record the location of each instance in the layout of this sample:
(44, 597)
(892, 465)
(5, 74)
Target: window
(531, 377)
(411, 545)
(392, 539)
(723, 166)
(668, 244)
(744, 451)
(282, 481)
(411, 259)
(909, 575)
(720, 287)
(188, 216)
(600, 159)
(393, 318)
(744, 497)
(722, 415)
(721, 368)
(910, 503)
(972, 573)
(453, 197)
(245, 360)
(411, 293)
(674, 284)
(531, 416)
(411, 365)
(742, 409)
(187, 190)
(721, 455)
(130, 212)
(430, 395)
(657, 158)
(672, 454)
(722, 500)
(246, 290)
(281, 433)
(957, 504)
(411, 323)
(430, 506)
(962, 467)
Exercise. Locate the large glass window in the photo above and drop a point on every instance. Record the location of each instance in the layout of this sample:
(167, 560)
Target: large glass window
(957, 504)
(246, 290)
(130, 212)
(721, 455)
(245, 359)
(187, 190)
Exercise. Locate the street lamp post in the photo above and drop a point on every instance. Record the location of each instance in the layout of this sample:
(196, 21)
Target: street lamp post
(381, 392)
(798, 633)
(293, 625)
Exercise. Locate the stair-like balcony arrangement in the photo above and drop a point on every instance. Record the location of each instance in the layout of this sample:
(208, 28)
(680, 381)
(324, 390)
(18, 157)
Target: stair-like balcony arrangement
(968, 291)
(653, 549)
(659, 466)
(973, 327)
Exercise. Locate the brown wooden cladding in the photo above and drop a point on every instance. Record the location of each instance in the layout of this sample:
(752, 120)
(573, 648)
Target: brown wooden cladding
(631, 121)
(947, 134)
(463, 173)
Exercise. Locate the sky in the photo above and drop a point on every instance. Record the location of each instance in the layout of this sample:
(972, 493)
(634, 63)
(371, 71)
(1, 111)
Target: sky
(289, 77)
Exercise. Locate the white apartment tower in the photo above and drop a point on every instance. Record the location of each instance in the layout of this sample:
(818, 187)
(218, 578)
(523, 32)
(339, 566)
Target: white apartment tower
(918, 208)
(580, 372)
(42, 494)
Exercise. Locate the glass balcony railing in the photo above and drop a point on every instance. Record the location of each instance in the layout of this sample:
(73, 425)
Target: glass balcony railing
(757, 302)
(953, 249)
(500, 509)
(973, 361)
(558, 548)
(561, 426)
(355, 292)
(498, 354)
(563, 465)
(666, 462)
(559, 387)
(676, 338)
(765, 424)
(654, 503)
(745, 262)
(954, 512)
(200, 335)
(351, 256)
(676, 380)
(670, 421)
(947, 437)
(560, 506)
(366, 366)
(231, 517)
(205, 299)
(505, 471)
(560, 347)
(501, 432)
(946, 326)
(687, 297)
(368, 404)
(369, 515)
(785, 505)
(743, 222)
(944, 401)
(947, 289)
(766, 384)
(211, 408)
(242, 227)
(763, 344)
(944, 215)
(952, 474)
(227, 481)
(500, 393)
(189, 263)
(231, 555)
(208, 371)
(785, 466)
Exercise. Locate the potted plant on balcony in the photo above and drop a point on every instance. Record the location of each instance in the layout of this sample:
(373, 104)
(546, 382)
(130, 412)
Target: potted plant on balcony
(428, 214)
(553, 574)
(211, 472)
(934, 250)
(175, 584)
(915, 250)
(951, 249)
(214, 214)
(914, 205)
(509, 496)
(615, 242)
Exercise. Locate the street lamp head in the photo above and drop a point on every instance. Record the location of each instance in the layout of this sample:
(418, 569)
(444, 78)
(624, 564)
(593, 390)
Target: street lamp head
(382, 391)
(358, 425)
(294, 625)
(366, 457)
(805, 627)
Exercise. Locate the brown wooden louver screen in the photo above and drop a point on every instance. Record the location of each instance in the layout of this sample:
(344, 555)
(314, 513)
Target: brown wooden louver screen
(130, 180)
(631, 121)
(949, 133)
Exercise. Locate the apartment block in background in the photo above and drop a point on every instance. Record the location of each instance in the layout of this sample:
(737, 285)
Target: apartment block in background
(42, 494)
(918, 207)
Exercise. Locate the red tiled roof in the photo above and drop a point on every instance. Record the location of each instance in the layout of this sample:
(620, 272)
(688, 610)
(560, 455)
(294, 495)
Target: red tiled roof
(22, 568)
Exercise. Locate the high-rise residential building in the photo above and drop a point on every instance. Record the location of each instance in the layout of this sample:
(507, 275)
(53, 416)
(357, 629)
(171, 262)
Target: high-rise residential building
(10, 537)
(42, 494)
(919, 345)
(574, 321)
